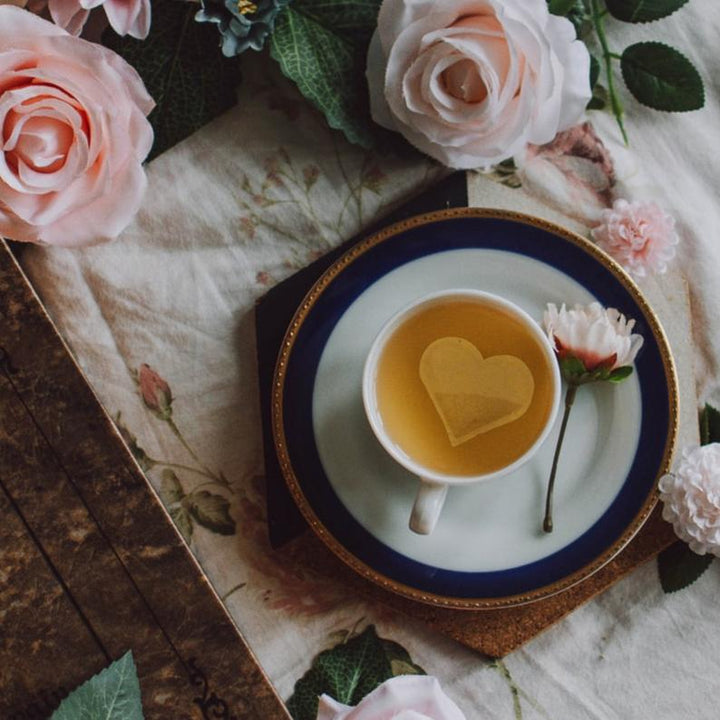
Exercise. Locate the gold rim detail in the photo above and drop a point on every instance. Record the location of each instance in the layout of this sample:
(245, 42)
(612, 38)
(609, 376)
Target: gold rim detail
(330, 275)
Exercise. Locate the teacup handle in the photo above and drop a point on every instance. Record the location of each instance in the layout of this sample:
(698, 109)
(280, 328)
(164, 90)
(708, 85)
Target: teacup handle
(429, 502)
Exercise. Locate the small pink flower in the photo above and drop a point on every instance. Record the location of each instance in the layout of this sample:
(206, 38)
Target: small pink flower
(600, 338)
(155, 391)
(639, 235)
(126, 17)
(404, 697)
(691, 498)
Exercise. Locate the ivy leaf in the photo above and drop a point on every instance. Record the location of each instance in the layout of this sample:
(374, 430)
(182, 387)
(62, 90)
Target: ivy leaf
(322, 47)
(662, 78)
(113, 694)
(679, 567)
(211, 511)
(349, 671)
(709, 425)
(642, 11)
(183, 69)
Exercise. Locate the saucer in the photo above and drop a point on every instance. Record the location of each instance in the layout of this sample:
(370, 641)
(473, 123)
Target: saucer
(488, 549)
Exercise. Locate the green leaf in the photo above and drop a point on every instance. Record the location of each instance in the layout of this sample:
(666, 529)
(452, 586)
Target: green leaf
(572, 367)
(679, 567)
(170, 488)
(560, 7)
(183, 69)
(599, 99)
(349, 671)
(322, 47)
(662, 78)
(211, 511)
(642, 11)
(709, 425)
(620, 374)
(113, 694)
(594, 71)
(183, 522)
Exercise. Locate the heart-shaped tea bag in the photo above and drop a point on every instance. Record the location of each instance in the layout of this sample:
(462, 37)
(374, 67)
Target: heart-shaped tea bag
(473, 394)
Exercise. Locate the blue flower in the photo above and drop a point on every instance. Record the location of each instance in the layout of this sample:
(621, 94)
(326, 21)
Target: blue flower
(243, 24)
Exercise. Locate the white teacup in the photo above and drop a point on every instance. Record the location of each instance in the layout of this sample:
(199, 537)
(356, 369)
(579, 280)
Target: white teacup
(433, 488)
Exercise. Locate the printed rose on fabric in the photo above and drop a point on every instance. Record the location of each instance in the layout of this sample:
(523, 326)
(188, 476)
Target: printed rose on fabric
(641, 236)
(591, 340)
(691, 498)
(74, 135)
(574, 173)
(471, 82)
(155, 391)
(405, 697)
(126, 17)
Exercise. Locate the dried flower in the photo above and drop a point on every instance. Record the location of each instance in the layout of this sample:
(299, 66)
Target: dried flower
(691, 498)
(641, 236)
(241, 23)
(592, 344)
(155, 391)
(404, 697)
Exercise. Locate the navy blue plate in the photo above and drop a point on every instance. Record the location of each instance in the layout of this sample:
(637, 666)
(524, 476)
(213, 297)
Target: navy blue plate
(343, 283)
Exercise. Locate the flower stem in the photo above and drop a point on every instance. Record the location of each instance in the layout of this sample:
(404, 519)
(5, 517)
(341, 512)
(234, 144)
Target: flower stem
(597, 16)
(569, 400)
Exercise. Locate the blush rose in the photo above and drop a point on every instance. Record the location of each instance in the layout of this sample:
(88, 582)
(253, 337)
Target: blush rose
(471, 82)
(126, 17)
(74, 134)
(404, 697)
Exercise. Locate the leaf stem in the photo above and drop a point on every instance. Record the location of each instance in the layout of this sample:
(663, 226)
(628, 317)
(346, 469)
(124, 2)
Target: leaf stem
(597, 17)
(569, 400)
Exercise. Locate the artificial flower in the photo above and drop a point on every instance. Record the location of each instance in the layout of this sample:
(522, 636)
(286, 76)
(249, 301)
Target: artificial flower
(155, 391)
(404, 697)
(639, 235)
(601, 339)
(126, 17)
(471, 82)
(573, 173)
(73, 140)
(691, 498)
(243, 24)
(592, 344)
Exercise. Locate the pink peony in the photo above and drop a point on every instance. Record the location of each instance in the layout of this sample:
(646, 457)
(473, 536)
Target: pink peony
(404, 697)
(471, 82)
(598, 337)
(73, 132)
(126, 17)
(639, 235)
(691, 498)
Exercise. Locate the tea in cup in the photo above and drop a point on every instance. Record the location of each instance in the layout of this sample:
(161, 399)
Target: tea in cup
(460, 387)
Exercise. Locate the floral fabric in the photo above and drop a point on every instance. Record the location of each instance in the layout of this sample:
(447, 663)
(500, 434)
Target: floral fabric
(162, 323)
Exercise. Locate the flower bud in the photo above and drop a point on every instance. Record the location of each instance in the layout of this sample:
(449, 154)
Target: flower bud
(155, 391)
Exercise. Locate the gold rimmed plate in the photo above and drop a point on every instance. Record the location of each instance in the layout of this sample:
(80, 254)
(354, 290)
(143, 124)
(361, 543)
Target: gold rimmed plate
(488, 549)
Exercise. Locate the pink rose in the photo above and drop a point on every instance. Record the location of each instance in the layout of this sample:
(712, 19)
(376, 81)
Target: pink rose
(74, 135)
(404, 697)
(126, 17)
(471, 82)
(639, 235)
(574, 173)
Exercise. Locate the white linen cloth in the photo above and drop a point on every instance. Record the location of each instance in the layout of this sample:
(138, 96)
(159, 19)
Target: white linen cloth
(245, 202)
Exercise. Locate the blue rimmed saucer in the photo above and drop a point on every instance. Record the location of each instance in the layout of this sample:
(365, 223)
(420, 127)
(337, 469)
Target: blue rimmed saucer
(488, 549)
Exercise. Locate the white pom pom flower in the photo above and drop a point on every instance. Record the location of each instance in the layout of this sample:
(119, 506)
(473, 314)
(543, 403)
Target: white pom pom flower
(691, 498)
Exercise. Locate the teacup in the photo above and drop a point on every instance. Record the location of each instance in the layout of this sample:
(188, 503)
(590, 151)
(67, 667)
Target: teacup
(460, 387)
